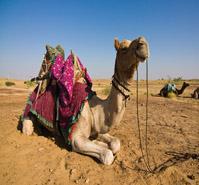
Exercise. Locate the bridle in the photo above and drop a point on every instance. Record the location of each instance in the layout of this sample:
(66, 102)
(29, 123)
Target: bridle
(121, 88)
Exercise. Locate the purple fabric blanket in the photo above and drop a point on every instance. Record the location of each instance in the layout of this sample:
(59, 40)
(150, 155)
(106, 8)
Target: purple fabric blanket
(63, 100)
(44, 107)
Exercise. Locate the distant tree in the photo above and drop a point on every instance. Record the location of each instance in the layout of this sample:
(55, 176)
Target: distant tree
(177, 79)
(169, 79)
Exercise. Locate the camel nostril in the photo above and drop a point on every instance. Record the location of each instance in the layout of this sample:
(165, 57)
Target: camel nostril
(139, 46)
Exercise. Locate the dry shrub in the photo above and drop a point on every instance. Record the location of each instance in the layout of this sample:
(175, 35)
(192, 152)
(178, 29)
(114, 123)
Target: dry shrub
(171, 95)
(9, 83)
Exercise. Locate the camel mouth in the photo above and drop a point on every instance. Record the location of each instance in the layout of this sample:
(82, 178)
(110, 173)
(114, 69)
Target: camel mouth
(141, 51)
(141, 57)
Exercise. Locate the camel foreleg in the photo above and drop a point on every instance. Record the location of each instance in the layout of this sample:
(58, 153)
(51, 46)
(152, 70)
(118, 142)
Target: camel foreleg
(82, 144)
(93, 148)
(112, 142)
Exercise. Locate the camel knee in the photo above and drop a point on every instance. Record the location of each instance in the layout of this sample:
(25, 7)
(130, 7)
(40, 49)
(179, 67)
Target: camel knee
(115, 145)
(77, 145)
(27, 127)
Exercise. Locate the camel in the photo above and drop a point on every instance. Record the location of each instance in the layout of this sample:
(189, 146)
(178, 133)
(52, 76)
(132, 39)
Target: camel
(195, 93)
(90, 136)
(171, 88)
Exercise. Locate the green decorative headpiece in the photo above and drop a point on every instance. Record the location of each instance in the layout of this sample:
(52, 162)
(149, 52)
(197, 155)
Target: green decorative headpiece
(53, 52)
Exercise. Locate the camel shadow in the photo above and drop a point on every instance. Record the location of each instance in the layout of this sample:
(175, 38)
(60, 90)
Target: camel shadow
(40, 130)
(177, 157)
(187, 97)
(58, 139)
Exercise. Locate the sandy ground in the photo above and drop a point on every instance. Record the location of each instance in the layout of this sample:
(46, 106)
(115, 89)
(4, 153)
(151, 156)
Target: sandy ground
(38, 160)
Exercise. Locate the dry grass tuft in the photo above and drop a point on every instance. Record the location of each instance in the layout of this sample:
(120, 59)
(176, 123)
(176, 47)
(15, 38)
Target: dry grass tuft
(106, 90)
(171, 95)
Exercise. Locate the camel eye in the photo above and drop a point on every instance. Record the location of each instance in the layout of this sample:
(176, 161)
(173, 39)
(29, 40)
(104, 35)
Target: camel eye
(124, 50)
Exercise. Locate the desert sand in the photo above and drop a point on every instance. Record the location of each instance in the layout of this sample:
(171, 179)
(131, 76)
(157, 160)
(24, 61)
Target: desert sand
(173, 126)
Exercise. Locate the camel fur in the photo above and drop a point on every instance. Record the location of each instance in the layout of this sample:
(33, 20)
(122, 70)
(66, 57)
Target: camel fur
(98, 116)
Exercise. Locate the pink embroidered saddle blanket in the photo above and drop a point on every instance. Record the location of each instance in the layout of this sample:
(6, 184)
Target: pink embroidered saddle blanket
(64, 97)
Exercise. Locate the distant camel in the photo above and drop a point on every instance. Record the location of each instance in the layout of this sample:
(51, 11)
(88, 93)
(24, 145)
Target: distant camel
(98, 116)
(195, 93)
(171, 88)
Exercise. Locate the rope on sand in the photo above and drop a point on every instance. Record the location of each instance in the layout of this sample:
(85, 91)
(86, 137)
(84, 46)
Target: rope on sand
(146, 161)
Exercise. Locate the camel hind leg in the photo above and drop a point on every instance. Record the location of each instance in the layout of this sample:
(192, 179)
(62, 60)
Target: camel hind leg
(27, 127)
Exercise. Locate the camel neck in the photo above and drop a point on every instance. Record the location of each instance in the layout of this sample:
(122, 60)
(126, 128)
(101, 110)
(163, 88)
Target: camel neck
(184, 86)
(116, 104)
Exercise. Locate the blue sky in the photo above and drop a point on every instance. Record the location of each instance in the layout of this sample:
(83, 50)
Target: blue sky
(89, 27)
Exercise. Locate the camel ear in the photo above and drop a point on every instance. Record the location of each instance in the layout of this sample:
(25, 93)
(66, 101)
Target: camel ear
(116, 44)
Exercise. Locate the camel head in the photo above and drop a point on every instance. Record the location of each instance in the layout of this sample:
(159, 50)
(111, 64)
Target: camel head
(129, 55)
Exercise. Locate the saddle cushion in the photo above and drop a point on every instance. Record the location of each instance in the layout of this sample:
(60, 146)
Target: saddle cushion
(62, 101)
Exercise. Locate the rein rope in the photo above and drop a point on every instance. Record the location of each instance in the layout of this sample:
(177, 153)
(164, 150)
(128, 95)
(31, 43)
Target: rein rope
(126, 96)
(146, 161)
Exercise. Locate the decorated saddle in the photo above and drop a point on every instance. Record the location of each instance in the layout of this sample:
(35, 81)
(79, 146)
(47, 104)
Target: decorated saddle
(64, 87)
(168, 88)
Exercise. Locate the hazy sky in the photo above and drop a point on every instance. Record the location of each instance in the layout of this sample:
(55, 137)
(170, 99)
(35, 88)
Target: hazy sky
(89, 27)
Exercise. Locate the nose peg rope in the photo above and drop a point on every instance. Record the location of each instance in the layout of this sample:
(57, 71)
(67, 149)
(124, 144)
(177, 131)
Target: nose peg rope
(146, 161)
